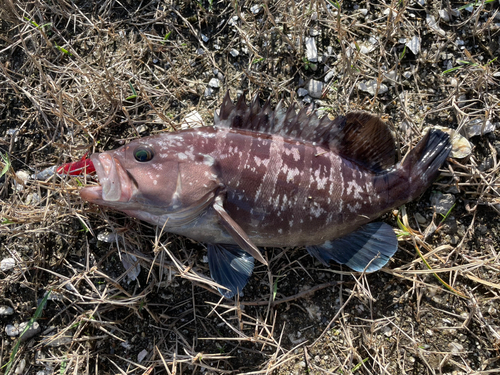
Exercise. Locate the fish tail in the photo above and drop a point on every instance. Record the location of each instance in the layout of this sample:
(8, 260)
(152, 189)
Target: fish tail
(416, 172)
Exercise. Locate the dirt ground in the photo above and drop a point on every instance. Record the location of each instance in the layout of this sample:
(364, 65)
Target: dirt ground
(87, 76)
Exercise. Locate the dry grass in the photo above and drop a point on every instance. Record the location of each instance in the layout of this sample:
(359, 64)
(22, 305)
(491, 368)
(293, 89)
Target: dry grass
(68, 71)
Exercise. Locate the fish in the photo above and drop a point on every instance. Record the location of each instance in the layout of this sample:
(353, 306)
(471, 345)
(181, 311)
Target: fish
(262, 177)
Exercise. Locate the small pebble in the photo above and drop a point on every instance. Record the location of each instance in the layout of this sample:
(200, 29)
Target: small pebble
(214, 83)
(420, 218)
(209, 92)
(6, 310)
(315, 88)
(7, 264)
(302, 92)
(329, 76)
(442, 203)
(234, 52)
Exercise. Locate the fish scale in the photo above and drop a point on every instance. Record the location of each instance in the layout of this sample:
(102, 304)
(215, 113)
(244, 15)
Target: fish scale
(271, 178)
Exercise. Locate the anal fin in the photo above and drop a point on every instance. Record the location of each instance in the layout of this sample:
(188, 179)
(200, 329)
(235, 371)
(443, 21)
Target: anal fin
(230, 267)
(368, 248)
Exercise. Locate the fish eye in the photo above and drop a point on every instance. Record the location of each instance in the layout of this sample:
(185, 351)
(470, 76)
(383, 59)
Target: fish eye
(143, 154)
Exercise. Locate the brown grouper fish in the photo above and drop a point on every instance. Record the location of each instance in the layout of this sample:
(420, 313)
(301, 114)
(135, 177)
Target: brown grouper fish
(261, 177)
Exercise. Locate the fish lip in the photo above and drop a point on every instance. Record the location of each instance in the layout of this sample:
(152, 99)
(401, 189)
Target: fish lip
(115, 185)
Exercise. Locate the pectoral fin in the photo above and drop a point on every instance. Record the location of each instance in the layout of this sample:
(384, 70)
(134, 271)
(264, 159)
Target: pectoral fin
(238, 234)
(368, 248)
(230, 267)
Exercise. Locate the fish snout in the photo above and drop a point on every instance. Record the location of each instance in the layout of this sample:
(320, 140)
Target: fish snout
(116, 185)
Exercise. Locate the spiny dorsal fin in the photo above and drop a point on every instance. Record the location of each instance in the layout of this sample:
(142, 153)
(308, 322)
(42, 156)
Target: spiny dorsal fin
(364, 139)
(359, 137)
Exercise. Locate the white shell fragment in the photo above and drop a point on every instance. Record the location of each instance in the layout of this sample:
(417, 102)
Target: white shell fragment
(446, 16)
(431, 22)
(108, 237)
(142, 355)
(214, 82)
(302, 92)
(192, 120)
(7, 264)
(461, 147)
(129, 263)
(371, 87)
(479, 127)
(311, 50)
(15, 330)
(255, 9)
(234, 52)
(329, 75)
(6, 310)
(414, 45)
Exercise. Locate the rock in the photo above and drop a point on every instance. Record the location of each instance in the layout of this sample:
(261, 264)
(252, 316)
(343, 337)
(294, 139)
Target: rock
(234, 53)
(442, 203)
(7, 264)
(205, 38)
(315, 88)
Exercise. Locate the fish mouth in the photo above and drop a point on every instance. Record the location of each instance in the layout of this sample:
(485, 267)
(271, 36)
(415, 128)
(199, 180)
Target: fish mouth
(115, 183)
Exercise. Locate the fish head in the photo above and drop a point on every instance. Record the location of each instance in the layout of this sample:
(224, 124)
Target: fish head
(146, 177)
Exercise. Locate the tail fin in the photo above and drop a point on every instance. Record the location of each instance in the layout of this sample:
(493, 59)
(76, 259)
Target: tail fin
(416, 172)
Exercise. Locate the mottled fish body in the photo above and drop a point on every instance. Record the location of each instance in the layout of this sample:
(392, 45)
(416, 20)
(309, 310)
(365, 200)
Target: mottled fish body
(271, 178)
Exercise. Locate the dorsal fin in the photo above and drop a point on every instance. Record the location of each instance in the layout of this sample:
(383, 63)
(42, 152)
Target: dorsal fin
(358, 136)
(365, 139)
